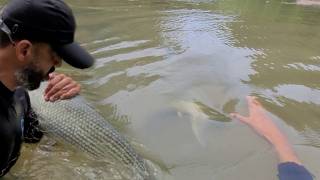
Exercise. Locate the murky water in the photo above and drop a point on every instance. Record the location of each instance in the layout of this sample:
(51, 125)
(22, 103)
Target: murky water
(168, 73)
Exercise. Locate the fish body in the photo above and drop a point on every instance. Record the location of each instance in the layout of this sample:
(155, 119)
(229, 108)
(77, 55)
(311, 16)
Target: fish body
(77, 123)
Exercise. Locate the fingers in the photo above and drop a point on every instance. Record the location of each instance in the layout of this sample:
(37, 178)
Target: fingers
(63, 94)
(71, 92)
(244, 119)
(55, 89)
(54, 78)
(55, 96)
(253, 104)
(61, 86)
(239, 117)
(52, 75)
(252, 101)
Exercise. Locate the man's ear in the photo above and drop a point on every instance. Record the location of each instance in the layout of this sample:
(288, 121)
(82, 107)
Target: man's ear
(24, 51)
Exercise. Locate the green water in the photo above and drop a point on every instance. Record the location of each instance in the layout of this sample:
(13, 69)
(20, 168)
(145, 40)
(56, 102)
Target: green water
(167, 73)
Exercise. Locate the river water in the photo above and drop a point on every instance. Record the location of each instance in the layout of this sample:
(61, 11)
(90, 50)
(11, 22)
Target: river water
(168, 73)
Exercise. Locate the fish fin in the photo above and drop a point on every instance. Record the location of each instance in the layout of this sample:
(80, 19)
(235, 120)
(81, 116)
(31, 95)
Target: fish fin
(198, 119)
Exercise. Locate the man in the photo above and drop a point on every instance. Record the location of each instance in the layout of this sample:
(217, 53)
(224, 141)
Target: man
(290, 167)
(35, 35)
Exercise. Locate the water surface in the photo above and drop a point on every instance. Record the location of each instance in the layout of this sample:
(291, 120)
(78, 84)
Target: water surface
(168, 72)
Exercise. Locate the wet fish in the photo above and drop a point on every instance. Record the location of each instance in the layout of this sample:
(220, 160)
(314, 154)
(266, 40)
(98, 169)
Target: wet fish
(77, 123)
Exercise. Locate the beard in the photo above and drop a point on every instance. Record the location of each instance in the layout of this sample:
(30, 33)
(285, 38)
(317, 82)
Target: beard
(31, 77)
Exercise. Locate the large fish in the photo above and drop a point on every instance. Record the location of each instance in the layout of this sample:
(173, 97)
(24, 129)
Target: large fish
(77, 123)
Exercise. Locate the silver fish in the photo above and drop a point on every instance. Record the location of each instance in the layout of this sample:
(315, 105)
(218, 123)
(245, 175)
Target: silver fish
(78, 124)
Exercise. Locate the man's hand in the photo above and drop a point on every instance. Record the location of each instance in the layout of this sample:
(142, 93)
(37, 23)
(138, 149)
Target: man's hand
(60, 87)
(265, 127)
(258, 120)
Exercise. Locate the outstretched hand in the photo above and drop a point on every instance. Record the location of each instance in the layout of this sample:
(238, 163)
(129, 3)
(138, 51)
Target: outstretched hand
(60, 87)
(258, 120)
(265, 127)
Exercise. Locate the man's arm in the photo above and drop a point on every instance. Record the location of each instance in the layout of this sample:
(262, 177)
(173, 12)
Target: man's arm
(290, 167)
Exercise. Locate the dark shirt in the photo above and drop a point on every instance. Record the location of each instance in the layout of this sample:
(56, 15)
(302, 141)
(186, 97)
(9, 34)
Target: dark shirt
(293, 171)
(18, 123)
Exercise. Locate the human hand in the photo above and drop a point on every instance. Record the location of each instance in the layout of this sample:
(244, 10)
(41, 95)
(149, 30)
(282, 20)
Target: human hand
(258, 120)
(60, 87)
(265, 127)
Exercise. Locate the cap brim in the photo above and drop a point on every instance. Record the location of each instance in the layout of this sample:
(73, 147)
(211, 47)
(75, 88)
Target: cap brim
(75, 55)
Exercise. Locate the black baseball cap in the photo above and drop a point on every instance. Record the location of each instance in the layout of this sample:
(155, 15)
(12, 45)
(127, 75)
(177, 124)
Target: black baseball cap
(49, 21)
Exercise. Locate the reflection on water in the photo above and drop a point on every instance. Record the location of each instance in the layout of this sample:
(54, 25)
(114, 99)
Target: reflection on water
(167, 74)
(288, 70)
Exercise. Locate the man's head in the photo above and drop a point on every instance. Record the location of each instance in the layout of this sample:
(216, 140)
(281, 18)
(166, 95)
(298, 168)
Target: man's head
(40, 33)
(37, 61)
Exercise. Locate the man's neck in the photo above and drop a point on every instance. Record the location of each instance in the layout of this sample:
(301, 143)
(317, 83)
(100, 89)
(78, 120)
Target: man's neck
(7, 68)
(8, 80)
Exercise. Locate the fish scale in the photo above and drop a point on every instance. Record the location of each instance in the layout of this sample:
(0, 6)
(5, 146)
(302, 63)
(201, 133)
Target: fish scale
(78, 124)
